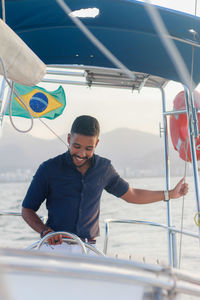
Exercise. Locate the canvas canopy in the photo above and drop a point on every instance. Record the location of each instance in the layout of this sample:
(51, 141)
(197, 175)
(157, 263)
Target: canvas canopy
(123, 26)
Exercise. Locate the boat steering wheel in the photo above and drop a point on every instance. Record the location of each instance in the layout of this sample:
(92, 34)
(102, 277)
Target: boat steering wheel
(72, 237)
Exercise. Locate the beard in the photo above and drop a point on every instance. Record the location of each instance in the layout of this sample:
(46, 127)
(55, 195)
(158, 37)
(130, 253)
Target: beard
(83, 160)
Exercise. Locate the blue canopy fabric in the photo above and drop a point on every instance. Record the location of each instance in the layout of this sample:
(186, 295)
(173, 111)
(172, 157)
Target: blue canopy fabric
(123, 26)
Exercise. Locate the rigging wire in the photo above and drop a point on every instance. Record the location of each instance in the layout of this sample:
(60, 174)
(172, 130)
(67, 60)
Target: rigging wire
(186, 77)
(3, 10)
(186, 151)
(183, 206)
(95, 41)
(195, 8)
(170, 46)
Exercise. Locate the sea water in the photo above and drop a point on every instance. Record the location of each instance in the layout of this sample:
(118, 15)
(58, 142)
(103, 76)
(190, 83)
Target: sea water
(136, 242)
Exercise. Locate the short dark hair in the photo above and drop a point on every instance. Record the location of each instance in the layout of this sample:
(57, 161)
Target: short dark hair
(86, 125)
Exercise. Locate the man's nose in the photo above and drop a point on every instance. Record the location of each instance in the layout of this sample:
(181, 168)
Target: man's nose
(82, 153)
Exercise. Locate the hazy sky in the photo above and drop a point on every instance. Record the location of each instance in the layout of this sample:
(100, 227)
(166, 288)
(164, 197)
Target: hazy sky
(115, 108)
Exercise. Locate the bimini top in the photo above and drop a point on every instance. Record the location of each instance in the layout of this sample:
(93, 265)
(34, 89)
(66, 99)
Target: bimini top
(123, 26)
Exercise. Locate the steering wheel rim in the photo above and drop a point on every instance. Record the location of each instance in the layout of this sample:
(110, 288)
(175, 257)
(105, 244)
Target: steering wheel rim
(74, 237)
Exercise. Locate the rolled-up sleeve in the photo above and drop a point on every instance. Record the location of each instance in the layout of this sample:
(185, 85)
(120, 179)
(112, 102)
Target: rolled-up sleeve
(116, 185)
(37, 191)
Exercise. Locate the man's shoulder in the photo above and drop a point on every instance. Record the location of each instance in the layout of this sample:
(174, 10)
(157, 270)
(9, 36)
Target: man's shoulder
(100, 160)
(54, 161)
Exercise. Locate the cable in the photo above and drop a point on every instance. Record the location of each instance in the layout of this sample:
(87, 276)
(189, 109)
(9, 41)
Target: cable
(186, 151)
(3, 10)
(170, 46)
(95, 41)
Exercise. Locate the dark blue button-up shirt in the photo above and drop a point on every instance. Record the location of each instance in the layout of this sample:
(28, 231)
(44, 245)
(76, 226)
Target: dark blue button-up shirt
(73, 200)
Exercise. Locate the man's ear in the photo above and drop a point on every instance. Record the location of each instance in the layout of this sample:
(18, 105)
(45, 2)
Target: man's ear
(68, 138)
(97, 143)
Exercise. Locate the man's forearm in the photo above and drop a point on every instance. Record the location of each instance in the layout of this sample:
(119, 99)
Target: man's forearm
(139, 196)
(33, 219)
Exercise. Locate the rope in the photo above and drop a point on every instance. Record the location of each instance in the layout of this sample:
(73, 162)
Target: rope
(183, 200)
(13, 90)
(11, 85)
(31, 113)
(10, 111)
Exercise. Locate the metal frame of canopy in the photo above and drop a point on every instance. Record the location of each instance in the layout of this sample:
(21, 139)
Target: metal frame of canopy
(103, 77)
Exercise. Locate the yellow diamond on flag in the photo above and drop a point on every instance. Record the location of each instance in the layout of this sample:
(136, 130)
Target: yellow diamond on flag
(39, 102)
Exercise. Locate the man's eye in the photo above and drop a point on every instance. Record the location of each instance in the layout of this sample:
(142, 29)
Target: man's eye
(89, 149)
(76, 146)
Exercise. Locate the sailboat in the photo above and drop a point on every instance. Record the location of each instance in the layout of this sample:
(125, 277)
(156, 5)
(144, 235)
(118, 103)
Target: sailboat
(125, 44)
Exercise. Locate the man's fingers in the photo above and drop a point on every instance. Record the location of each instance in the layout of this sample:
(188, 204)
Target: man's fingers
(181, 182)
(60, 240)
(50, 241)
(55, 240)
(185, 188)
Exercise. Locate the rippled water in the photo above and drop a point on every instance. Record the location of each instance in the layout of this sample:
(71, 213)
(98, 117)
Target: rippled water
(135, 241)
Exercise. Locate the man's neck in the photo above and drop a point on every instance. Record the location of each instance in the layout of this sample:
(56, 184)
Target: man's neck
(85, 167)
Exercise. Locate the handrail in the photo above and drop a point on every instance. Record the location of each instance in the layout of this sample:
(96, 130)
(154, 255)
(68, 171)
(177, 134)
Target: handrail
(10, 213)
(140, 222)
(18, 214)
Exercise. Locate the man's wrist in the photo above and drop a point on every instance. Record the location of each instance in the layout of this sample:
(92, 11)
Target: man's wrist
(45, 231)
(166, 195)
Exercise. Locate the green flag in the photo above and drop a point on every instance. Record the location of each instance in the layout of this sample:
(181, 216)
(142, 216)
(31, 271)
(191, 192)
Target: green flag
(41, 103)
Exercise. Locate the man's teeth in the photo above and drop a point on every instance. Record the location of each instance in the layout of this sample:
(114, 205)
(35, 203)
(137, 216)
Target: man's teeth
(80, 159)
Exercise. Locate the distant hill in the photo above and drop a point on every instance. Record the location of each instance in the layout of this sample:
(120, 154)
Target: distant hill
(19, 150)
(133, 153)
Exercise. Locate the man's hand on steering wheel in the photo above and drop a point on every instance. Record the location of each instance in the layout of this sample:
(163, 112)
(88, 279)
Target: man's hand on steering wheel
(54, 240)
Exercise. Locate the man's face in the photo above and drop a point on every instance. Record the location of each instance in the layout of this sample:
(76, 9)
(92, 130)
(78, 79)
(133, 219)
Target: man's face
(81, 148)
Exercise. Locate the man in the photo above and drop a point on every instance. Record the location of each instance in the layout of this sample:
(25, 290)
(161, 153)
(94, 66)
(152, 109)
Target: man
(72, 184)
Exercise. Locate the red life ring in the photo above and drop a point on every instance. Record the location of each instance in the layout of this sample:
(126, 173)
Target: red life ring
(179, 127)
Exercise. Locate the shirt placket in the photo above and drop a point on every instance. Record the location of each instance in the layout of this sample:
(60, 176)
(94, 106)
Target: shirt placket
(80, 206)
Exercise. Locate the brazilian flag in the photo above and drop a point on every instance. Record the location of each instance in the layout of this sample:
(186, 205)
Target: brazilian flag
(40, 102)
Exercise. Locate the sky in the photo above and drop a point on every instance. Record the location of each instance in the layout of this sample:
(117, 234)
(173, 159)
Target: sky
(114, 108)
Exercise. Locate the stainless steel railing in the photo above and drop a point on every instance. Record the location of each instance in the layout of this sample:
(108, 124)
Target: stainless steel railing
(172, 230)
(17, 214)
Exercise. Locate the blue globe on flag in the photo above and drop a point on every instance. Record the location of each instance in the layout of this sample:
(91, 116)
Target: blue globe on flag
(38, 102)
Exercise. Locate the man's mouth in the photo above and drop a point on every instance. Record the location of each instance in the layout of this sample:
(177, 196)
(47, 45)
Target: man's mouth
(80, 159)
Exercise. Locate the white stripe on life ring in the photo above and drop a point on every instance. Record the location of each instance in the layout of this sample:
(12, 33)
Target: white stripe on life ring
(178, 146)
(176, 116)
(198, 147)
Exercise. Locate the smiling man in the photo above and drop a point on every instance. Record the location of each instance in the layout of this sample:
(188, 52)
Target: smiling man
(72, 184)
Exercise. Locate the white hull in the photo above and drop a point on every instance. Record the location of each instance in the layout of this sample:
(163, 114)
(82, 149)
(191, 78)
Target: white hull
(35, 275)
